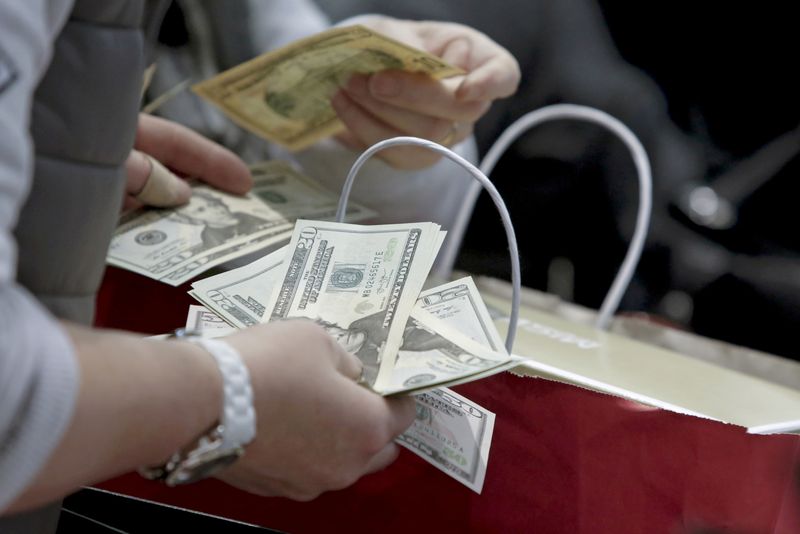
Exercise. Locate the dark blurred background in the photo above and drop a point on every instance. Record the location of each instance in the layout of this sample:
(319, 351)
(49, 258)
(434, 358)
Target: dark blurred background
(711, 90)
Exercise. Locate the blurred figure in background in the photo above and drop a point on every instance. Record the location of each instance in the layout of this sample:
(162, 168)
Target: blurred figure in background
(718, 114)
(200, 39)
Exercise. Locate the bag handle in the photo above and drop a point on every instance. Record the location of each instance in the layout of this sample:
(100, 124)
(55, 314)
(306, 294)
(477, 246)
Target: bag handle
(480, 180)
(559, 112)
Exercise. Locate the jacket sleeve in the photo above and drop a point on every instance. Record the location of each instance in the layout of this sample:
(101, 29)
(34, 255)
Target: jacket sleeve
(38, 369)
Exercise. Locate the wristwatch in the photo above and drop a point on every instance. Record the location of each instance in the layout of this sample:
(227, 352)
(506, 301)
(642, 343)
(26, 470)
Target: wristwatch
(224, 442)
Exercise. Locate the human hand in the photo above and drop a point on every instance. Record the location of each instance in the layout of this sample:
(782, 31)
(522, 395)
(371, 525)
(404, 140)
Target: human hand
(392, 103)
(160, 144)
(317, 429)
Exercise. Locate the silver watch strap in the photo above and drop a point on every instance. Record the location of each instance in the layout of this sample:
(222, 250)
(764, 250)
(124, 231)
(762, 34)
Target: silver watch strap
(238, 415)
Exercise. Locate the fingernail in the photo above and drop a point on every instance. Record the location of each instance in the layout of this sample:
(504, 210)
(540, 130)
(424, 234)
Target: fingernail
(385, 85)
(182, 192)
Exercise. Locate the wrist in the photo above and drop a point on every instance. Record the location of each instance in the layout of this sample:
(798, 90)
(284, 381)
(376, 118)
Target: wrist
(224, 440)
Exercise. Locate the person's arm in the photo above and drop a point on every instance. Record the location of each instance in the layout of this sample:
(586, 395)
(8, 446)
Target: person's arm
(78, 405)
(38, 374)
(141, 400)
(138, 402)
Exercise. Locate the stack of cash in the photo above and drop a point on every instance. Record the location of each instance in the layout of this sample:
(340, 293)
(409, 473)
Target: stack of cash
(177, 244)
(363, 284)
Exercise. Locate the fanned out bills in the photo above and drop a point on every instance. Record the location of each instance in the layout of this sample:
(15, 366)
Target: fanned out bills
(448, 338)
(359, 282)
(435, 354)
(284, 95)
(240, 296)
(450, 431)
(202, 321)
(177, 244)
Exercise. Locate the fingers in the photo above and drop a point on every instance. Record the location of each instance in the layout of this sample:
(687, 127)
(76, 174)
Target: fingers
(402, 410)
(152, 184)
(492, 72)
(496, 78)
(191, 154)
(368, 130)
(424, 95)
(403, 120)
(350, 366)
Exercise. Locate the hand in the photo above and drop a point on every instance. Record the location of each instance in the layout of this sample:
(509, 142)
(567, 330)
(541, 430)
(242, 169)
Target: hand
(392, 103)
(185, 152)
(317, 429)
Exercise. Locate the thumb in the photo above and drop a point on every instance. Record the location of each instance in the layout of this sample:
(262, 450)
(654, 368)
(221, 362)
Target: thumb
(152, 184)
(350, 366)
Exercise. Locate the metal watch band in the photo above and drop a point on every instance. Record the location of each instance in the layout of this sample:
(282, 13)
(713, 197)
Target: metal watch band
(238, 415)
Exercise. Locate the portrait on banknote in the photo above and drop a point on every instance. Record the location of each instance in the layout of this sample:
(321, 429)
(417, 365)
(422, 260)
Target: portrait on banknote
(220, 224)
(364, 338)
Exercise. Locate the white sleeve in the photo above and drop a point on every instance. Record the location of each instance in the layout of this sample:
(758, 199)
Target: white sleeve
(38, 370)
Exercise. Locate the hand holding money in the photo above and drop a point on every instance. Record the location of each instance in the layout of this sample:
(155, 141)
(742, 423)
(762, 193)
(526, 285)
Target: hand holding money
(394, 102)
(369, 82)
(162, 147)
(285, 95)
(361, 283)
(318, 429)
(178, 244)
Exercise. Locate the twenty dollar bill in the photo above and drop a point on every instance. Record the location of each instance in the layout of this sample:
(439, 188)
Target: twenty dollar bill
(453, 434)
(359, 282)
(177, 244)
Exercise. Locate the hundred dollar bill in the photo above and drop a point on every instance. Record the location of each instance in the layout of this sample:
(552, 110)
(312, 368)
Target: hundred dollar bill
(284, 95)
(206, 323)
(359, 282)
(177, 244)
(453, 434)
(239, 296)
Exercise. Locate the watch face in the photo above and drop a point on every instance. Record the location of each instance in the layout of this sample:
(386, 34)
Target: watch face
(203, 466)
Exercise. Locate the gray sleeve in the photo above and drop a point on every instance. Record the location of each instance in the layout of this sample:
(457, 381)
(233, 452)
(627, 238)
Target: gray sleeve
(38, 370)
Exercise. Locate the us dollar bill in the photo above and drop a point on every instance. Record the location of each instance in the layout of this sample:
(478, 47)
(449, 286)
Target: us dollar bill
(240, 296)
(294, 195)
(284, 95)
(433, 354)
(450, 432)
(453, 434)
(449, 339)
(359, 282)
(204, 322)
(461, 307)
(177, 244)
